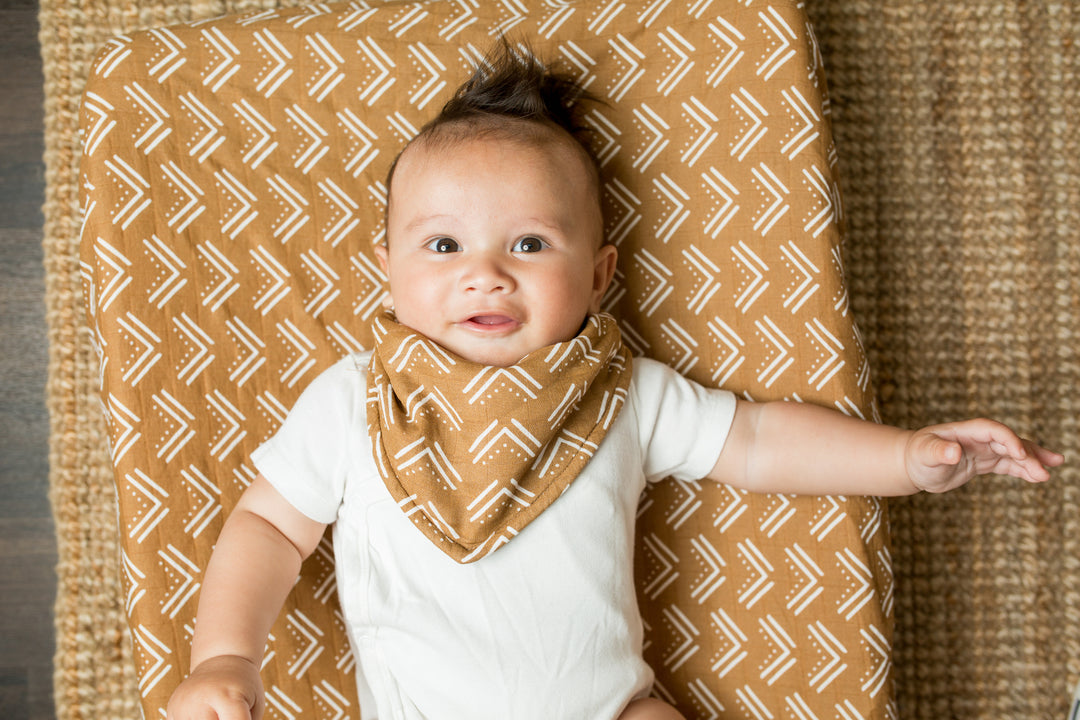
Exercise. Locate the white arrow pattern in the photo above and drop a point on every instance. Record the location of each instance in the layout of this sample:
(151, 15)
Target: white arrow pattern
(241, 204)
(112, 267)
(729, 40)
(702, 117)
(808, 589)
(135, 191)
(190, 195)
(152, 657)
(215, 261)
(203, 146)
(705, 275)
(172, 56)
(278, 70)
(731, 650)
(123, 427)
(116, 50)
(676, 47)
(430, 70)
(231, 421)
(152, 498)
(722, 212)
(633, 61)
(183, 572)
(677, 199)
(133, 583)
(831, 654)
(456, 23)
(515, 13)
(262, 142)
(315, 137)
(227, 64)
(783, 37)
(714, 564)
(155, 127)
(346, 212)
(783, 656)
(206, 504)
(145, 354)
(99, 123)
(192, 365)
(323, 83)
(325, 289)
(665, 562)
(362, 148)
(655, 129)
(381, 77)
(300, 348)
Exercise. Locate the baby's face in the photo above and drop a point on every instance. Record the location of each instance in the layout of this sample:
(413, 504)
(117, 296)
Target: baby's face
(494, 246)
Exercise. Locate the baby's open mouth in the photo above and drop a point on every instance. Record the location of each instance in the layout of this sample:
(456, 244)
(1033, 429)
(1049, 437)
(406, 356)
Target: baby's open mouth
(491, 319)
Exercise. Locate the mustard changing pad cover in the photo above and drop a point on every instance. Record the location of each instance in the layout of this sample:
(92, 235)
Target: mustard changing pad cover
(233, 188)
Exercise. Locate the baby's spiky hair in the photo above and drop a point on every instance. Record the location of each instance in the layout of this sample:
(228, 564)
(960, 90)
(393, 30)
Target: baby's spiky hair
(511, 95)
(512, 83)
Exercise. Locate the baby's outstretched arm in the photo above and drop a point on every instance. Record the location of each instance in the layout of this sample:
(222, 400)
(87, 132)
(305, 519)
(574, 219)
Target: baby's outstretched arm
(804, 449)
(254, 566)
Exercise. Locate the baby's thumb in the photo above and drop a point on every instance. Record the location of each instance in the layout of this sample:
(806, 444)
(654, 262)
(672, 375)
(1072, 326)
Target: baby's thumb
(945, 452)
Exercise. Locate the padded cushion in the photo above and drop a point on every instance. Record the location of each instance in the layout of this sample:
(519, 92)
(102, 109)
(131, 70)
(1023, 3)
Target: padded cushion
(233, 190)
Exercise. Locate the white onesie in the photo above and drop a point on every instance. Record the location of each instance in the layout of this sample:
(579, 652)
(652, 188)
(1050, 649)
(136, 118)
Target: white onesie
(545, 627)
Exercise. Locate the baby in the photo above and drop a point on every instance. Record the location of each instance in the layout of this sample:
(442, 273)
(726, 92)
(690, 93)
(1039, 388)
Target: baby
(489, 574)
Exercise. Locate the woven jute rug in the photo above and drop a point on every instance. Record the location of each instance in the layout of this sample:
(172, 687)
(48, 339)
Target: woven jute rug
(959, 138)
(960, 148)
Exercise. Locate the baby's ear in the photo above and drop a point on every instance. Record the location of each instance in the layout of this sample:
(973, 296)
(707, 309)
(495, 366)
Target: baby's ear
(383, 258)
(607, 258)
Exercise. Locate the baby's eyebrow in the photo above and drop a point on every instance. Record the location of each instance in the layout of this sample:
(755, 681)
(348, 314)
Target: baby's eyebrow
(422, 220)
(444, 219)
(554, 225)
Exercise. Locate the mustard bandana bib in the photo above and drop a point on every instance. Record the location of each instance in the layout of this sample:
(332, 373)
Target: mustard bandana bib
(473, 453)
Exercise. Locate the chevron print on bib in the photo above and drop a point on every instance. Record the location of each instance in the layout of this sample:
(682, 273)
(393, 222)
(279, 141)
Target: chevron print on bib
(474, 453)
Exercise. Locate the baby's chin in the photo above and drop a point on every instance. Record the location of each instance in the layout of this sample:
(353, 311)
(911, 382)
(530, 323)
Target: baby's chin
(492, 356)
(496, 355)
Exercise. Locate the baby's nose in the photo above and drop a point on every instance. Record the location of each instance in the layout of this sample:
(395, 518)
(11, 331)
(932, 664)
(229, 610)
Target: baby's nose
(486, 274)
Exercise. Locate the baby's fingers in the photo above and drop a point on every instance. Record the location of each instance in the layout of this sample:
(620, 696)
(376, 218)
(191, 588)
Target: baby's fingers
(1025, 470)
(1003, 441)
(1033, 467)
(1047, 458)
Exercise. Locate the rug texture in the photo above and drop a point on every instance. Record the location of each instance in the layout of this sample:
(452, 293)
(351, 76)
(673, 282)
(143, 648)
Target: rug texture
(959, 139)
(959, 143)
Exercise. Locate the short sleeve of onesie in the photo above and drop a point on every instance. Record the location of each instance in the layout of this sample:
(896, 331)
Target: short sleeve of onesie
(682, 425)
(309, 457)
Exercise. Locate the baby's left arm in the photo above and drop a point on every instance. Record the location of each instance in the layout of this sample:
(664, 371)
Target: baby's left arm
(808, 450)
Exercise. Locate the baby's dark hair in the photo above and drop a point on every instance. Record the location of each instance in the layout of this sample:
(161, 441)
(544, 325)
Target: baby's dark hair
(514, 95)
(512, 84)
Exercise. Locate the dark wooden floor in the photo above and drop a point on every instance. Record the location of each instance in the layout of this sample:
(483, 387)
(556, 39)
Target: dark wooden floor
(27, 543)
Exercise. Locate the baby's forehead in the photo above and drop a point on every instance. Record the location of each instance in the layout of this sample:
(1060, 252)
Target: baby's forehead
(544, 137)
(437, 156)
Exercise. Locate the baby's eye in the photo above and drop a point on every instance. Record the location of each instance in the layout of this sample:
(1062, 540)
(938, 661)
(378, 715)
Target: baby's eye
(444, 245)
(529, 244)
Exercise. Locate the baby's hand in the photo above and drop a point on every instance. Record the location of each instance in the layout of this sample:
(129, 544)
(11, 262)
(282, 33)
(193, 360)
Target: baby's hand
(226, 687)
(943, 457)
